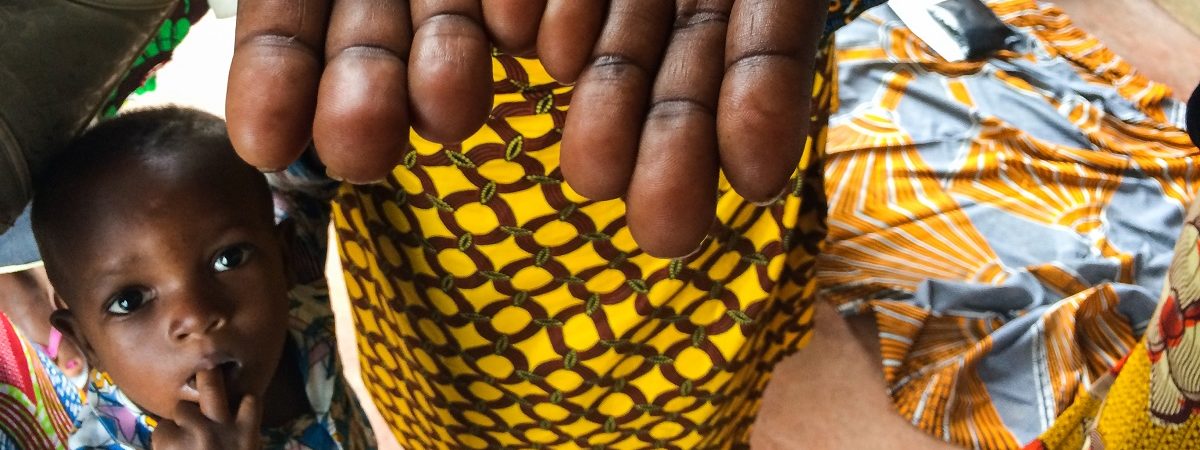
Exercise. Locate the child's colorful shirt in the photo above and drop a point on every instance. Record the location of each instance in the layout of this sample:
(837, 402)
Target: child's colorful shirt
(37, 403)
(109, 420)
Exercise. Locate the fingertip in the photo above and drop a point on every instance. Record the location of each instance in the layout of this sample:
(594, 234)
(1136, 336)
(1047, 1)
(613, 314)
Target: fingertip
(361, 126)
(567, 36)
(761, 185)
(666, 236)
(672, 199)
(248, 421)
(583, 171)
(762, 128)
(599, 147)
(249, 412)
(513, 24)
(270, 104)
(249, 406)
(267, 154)
(450, 79)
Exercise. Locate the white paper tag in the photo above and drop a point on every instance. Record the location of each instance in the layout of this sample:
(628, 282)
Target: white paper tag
(916, 16)
(223, 9)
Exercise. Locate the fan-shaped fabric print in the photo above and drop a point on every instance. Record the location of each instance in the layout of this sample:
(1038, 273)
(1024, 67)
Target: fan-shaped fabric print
(1006, 222)
(1046, 184)
(900, 233)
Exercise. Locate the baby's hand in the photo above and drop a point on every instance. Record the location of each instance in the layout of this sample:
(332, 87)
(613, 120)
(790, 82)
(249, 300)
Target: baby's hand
(210, 425)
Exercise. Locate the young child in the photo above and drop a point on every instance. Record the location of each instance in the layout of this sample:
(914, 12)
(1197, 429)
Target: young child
(175, 282)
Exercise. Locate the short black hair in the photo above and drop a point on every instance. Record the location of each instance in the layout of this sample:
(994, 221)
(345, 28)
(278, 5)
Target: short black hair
(138, 135)
(171, 137)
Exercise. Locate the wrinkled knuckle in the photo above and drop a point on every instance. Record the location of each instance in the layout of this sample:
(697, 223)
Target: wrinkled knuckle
(616, 65)
(277, 40)
(700, 17)
(679, 107)
(759, 58)
(368, 51)
(452, 19)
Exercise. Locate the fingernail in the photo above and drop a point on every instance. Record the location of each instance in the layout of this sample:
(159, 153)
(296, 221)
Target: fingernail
(699, 249)
(333, 176)
(339, 178)
(269, 170)
(783, 193)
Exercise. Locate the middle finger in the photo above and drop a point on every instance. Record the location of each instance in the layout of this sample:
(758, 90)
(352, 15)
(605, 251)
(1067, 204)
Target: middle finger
(361, 124)
(672, 196)
(600, 137)
(450, 69)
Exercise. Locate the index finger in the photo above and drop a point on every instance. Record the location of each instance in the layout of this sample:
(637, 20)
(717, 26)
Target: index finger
(214, 403)
(273, 79)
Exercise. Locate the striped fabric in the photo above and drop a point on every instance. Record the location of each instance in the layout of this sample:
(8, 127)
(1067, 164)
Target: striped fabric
(1150, 399)
(1008, 222)
(31, 415)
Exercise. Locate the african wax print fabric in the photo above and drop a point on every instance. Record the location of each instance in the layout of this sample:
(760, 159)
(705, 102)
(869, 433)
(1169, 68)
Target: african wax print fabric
(1008, 221)
(1148, 400)
(31, 414)
(495, 307)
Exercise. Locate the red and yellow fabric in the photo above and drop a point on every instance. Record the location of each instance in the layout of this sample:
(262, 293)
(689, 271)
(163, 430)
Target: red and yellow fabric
(31, 414)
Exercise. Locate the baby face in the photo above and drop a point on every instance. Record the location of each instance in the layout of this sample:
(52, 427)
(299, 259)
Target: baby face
(164, 283)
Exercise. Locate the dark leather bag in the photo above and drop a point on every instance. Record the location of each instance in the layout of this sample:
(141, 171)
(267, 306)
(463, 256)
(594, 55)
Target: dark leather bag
(59, 61)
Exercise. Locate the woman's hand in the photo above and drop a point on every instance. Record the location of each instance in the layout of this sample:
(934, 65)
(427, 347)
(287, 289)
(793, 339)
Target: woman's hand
(667, 91)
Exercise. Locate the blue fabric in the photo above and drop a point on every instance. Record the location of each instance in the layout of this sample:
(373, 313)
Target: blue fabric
(17, 246)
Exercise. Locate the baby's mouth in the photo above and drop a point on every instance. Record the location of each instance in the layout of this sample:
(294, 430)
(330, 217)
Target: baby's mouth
(229, 371)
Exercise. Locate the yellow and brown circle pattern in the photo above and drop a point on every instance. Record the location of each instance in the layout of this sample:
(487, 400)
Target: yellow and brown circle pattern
(495, 307)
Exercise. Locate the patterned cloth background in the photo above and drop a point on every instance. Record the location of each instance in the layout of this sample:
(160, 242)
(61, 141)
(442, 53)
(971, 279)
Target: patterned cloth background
(1008, 222)
(31, 413)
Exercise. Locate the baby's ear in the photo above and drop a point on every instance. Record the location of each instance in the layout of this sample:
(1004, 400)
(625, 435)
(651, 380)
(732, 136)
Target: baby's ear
(67, 324)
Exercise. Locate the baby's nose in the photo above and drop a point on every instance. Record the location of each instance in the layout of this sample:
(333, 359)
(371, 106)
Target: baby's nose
(195, 316)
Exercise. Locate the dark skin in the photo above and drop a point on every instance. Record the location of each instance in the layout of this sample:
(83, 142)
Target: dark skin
(666, 93)
(191, 275)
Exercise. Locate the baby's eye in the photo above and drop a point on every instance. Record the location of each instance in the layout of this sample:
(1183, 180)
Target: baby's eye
(128, 300)
(231, 257)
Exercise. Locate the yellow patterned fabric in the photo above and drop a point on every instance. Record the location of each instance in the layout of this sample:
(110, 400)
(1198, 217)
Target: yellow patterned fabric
(495, 307)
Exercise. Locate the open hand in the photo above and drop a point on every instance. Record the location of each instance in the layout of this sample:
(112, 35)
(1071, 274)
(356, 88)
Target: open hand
(676, 90)
(210, 424)
(667, 91)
